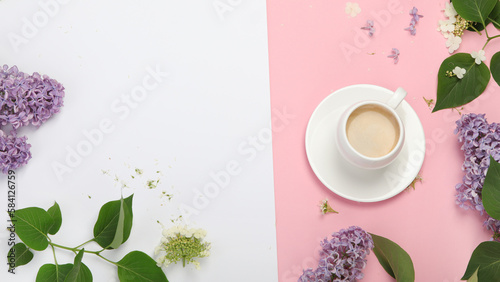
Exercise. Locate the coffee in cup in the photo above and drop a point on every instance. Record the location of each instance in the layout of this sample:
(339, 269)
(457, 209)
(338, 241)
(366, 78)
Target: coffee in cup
(372, 130)
(370, 134)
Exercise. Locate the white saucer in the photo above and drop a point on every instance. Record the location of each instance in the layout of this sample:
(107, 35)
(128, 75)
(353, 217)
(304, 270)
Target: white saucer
(341, 177)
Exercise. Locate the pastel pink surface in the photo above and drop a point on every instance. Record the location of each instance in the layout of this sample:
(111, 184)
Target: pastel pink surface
(315, 48)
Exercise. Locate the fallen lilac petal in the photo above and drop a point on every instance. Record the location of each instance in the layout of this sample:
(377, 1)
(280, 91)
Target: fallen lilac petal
(412, 29)
(369, 27)
(394, 55)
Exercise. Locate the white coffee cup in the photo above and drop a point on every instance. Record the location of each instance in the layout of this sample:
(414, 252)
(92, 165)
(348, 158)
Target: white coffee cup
(371, 134)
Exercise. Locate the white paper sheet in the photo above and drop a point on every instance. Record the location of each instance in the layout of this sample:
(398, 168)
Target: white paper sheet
(178, 89)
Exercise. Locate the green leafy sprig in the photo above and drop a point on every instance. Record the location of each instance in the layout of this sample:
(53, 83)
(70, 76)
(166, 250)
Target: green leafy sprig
(453, 91)
(34, 226)
(484, 264)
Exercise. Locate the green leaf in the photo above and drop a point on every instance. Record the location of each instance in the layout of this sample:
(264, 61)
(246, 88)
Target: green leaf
(491, 190)
(32, 225)
(79, 272)
(485, 259)
(474, 10)
(55, 213)
(52, 273)
(473, 278)
(393, 259)
(19, 255)
(453, 92)
(495, 16)
(114, 223)
(495, 67)
(137, 266)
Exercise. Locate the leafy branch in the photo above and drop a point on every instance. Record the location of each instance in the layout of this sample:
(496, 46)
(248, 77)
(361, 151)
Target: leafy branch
(453, 91)
(33, 225)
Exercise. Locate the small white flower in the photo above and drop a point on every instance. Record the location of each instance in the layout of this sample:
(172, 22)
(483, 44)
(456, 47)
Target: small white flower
(459, 72)
(200, 233)
(453, 43)
(450, 11)
(158, 249)
(479, 56)
(159, 261)
(352, 9)
(447, 25)
(184, 232)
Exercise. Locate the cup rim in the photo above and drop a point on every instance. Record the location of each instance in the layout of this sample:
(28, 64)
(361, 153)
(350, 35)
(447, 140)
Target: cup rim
(394, 150)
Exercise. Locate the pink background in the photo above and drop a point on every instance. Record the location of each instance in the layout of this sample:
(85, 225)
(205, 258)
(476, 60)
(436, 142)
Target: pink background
(306, 65)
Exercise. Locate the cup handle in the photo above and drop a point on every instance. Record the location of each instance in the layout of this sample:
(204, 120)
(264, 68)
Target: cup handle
(397, 98)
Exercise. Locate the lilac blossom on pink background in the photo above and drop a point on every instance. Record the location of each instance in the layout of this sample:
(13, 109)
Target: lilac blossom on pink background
(479, 140)
(24, 100)
(414, 20)
(395, 55)
(342, 258)
(369, 27)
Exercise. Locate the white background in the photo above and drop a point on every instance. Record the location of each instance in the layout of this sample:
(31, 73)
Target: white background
(210, 111)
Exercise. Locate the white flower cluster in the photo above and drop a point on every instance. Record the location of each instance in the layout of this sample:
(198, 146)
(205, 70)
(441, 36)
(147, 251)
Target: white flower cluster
(183, 230)
(448, 28)
(180, 243)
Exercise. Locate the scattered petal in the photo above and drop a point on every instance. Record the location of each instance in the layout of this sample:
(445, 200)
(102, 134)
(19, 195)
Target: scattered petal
(369, 27)
(418, 178)
(429, 102)
(352, 9)
(326, 208)
(395, 55)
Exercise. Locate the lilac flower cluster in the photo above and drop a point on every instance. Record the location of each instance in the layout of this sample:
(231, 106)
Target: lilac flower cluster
(28, 99)
(342, 258)
(414, 20)
(479, 140)
(14, 152)
(369, 27)
(24, 100)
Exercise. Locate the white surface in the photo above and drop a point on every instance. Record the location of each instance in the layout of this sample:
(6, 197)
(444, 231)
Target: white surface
(343, 178)
(200, 119)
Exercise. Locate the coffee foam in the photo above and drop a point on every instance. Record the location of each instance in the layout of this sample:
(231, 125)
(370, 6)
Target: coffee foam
(372, 130)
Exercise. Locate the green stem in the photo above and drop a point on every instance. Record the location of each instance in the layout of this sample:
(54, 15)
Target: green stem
(471, 26)
(493, 21)
(486, 31)
(55, 258)
(84, 243)
(74, 250)
(489, 39)
(112, 262)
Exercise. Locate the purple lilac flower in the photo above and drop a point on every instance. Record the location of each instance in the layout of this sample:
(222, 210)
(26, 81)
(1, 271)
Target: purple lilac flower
(479, 140)
(415, 17)
(369, 27)
(342, 258)
(28, 99)
(414, 20)
(24, 99)
(412, 29)
(395, 55)
(14, 152)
